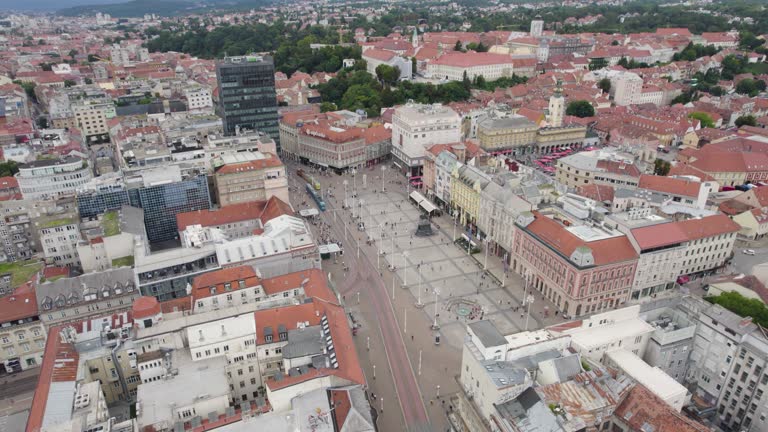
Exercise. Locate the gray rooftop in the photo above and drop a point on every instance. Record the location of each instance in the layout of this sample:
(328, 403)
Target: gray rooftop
(504, 374)
(506, 123)
(529, 413)
(488, 334)
(304, 342)
(67, 292)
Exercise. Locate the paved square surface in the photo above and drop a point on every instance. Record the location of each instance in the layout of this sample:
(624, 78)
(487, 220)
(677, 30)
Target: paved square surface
(466, 292)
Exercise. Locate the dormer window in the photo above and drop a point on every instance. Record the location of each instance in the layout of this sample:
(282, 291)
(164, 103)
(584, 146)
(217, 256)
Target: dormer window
(227, 286)
(213, 290)
(268, 338)
(241, 284)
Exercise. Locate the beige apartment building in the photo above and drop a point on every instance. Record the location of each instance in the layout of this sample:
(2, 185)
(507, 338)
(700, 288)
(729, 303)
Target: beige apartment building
(506, 133)
(245, 177)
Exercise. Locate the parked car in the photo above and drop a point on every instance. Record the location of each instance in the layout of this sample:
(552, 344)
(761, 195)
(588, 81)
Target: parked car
(748, 252)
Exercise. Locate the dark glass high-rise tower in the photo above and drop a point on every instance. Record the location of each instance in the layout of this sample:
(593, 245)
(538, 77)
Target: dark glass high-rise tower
(247, 94)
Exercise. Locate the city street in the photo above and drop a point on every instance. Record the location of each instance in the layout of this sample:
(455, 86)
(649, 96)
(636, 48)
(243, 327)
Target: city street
(402, 290)
(16, 392)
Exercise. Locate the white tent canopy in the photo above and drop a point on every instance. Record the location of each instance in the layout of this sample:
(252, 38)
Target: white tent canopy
(329, 248)
(423, 202)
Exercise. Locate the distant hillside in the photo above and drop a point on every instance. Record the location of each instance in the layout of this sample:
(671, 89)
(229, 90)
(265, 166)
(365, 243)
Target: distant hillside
(135, 8)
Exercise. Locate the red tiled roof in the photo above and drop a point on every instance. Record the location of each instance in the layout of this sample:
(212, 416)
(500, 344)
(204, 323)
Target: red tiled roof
(340, 401)
(51, 272)
(459, 59)
(597, 192)
(275, 208)
(658, 235)
(376, 134)
(606, 251)
(201, 285)
(176, 305)
(260, 164)
(685, 169)
(58, 361)
(145, 306)
(313, 279)
(669, 185)
(262, 210)
(22, 303)
(620, 168)
(708, 226)
(9, 183)
(642, 410)
(378, 54)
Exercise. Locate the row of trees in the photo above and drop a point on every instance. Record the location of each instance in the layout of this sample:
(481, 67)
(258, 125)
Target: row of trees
(291, 46)
(742, 306)
(695, 51)
(357, 89)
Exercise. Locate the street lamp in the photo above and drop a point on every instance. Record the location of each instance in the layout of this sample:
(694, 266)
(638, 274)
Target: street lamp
(454, 225)
(405, 268)
(438, 390)
(345, 183)
(528, 313)
(435, 325)
(418, 302)
(487, 246)
(383, 168)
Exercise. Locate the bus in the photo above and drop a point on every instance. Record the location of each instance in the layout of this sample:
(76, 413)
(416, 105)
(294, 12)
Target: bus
(315, 196)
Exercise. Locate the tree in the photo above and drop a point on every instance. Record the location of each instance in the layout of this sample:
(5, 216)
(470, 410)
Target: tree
(597, 63)
(747, 86)
(748, 41)
(661, 167)
(604, 85)
(742, 306)
(478, 47)
(615, 43)
(327, 106)
(580, 108)
(69, 83)
(480, 81)
(704, 118)
(746, 120)
(8, 168)
(42, 122)
(732, 66)
(363, 97)
(458, 46)
(29, 88)
(73, 53)
(465, 81)
(88, 80)
(387, 74)
(92, 58)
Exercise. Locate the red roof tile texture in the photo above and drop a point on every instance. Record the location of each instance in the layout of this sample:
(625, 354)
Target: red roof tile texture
(22, 303)
(234, 168)
(669, 185)
(642, 410)
(607, 251)
(262, 210)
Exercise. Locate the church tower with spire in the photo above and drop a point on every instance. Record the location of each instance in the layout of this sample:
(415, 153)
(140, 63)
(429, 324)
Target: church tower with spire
(415, 37)
(557, 106)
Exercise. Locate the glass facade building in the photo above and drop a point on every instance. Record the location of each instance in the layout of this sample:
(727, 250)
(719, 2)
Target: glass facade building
(247, 97)
(161, 203)
(94, 203)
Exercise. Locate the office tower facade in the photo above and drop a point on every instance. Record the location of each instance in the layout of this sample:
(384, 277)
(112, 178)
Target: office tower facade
(247, 97)
(162, 194)
(161, 203)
